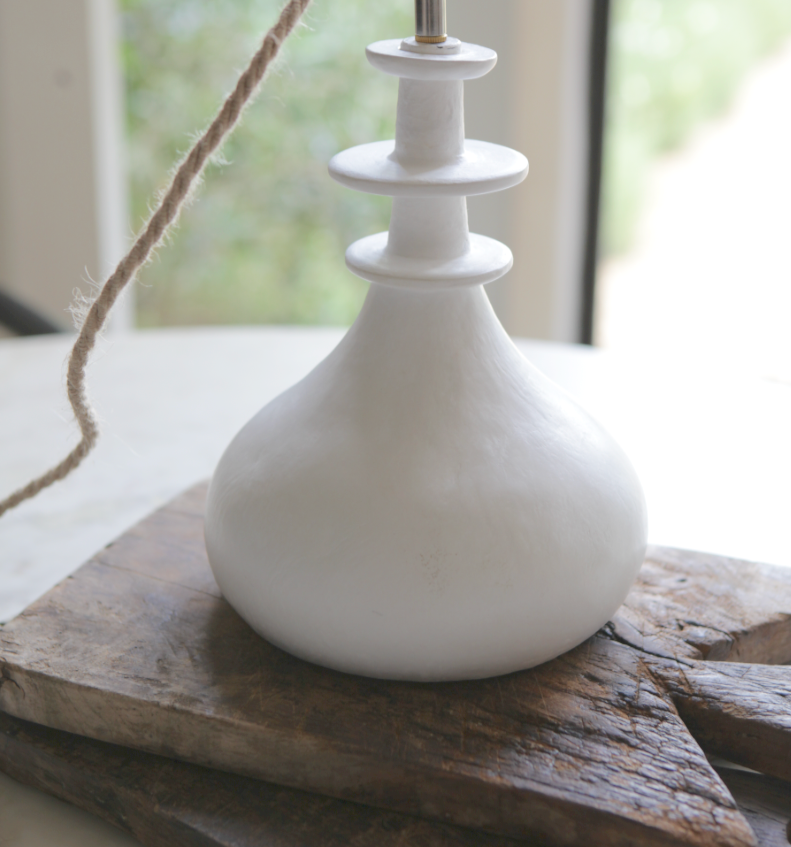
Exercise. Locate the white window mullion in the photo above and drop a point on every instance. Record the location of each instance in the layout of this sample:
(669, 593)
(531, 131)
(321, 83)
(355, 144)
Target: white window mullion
(62, 199)
(536, 101)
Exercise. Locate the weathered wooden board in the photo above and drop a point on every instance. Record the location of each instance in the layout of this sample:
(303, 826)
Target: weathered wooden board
(164, 803)
(742, 713)
(139, 649)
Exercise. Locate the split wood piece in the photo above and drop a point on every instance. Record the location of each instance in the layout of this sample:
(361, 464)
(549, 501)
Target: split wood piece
(740, 712)
(139, 649)
(700, 606)
(164, 803)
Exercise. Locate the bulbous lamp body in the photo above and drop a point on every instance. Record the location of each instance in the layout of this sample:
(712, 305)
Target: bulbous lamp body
(425, 504)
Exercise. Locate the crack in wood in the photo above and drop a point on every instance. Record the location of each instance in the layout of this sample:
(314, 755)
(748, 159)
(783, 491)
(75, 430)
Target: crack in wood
(6, 678)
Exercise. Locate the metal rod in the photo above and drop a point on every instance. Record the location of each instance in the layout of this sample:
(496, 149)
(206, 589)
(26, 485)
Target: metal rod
(430, 21)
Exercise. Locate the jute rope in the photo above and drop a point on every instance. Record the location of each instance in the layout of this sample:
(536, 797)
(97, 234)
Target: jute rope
(160, 221)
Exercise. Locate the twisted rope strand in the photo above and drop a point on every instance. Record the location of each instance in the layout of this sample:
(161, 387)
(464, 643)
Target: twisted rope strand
(165, 215)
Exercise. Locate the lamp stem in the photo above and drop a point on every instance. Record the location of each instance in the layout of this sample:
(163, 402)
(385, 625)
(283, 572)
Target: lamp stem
(430, 21)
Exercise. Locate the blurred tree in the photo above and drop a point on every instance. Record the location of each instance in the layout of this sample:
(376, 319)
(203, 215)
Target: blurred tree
(265, 238)
(673, 65)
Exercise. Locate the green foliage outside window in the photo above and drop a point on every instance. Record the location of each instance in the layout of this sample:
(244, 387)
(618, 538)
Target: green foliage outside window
(673, 64)
(265, 238)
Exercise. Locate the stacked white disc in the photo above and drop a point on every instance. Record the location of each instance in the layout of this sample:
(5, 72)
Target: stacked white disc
(429, 170)
(425, 504)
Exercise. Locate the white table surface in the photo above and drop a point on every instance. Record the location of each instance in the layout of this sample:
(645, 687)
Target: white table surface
(712, 447)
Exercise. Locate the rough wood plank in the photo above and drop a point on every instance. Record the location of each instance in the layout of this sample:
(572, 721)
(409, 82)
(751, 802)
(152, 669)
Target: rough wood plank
(740, 712)
(699, 606)
(765, 802)
(586, 745)
(164, 803)
(139, 649)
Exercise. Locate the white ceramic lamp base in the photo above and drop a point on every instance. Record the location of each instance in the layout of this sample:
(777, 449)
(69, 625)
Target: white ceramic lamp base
(425, 504)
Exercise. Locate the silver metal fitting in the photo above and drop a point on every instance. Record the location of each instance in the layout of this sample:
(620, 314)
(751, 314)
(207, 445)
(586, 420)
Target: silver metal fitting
(430, 21)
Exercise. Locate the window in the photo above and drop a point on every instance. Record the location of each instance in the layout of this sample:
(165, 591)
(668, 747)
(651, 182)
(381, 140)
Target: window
(696, 220)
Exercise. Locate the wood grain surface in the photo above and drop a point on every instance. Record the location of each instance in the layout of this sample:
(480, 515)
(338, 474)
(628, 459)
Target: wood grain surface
(164, 803)
(139, 649)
